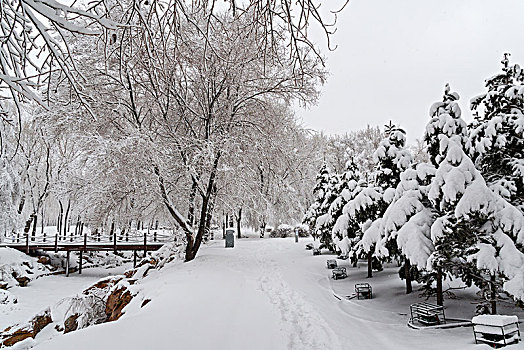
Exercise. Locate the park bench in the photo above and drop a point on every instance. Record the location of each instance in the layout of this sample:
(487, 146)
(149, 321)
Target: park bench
(343, 257)
(427, 313)
(363, 290)
(317, 251)
(496, 330)
(339, 272)
(309, 246)
(331, 263)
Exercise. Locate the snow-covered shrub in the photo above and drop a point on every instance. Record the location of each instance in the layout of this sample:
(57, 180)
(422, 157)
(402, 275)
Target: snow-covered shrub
(18, 268)
(303, 230)
(282, 231)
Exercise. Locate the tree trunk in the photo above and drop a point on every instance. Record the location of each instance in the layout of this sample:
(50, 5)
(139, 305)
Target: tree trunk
(493, 300)
(60, 217)
(262, 229)
(35, 221)
(223, 226)
(27, 226)
(42, 216)
(440, 296)
(21, 205)
(407, 275)
(64, 226)
(191, 209)
(239, 218)
(370, 260)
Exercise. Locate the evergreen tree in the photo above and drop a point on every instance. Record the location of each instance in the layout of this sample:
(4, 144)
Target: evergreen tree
(346, 189)
(450, 218)
(497, 133)
(319, 194)
(322, 225)
(369, 204)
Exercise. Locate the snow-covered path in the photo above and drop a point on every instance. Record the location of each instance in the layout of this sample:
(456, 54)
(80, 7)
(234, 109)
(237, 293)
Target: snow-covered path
(263, 294)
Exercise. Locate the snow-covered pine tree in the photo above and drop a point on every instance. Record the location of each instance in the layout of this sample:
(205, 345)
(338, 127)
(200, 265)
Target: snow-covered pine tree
(323, 226)
(319, 194)
(408, 220)
(410, 215)
(497, 133)
(475, 233)
(346, 189)
(391, 158)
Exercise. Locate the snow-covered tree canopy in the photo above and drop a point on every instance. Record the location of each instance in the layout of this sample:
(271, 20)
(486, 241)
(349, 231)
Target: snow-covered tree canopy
(497, 133)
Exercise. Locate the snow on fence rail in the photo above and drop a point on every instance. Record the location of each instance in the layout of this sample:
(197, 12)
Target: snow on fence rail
(89, 241)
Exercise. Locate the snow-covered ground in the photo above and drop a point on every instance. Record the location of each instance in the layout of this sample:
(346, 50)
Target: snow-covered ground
(262, 294)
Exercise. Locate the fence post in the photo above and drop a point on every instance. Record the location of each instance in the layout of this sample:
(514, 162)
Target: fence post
(85, 242)
(67, 262)
(27, 243)
(145, 244)
(114, 241)
(134, 258)
(80, 263)
(56, 243)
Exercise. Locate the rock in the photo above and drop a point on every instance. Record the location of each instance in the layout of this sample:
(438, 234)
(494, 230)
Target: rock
(7, 298)
(117, 300)
(44, 260)
(17, 336)
(145, 302)
(3, 286)
(40, 321)
(103, 284)
(129, 273)
(27, 331)
(22, 281)
(71, 323)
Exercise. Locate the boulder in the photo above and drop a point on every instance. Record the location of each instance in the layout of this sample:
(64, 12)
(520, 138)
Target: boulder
(27, 331)
(17, 336)
(71, 323)
(22, 281)
(44, 260)
(117, 300)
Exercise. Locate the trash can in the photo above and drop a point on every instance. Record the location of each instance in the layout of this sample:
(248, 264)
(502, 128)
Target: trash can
(230, 238)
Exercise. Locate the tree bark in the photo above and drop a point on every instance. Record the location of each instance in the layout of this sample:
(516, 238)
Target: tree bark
(223, 226)
(191, 209)
(60, 217)
(440, 296)
(64, 226)
(207, 200)
(493, 300)
(407, 275)
(370, 260)
(239, 218)
(35, 221)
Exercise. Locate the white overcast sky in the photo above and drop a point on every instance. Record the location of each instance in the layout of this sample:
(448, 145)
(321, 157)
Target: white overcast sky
(395, 56)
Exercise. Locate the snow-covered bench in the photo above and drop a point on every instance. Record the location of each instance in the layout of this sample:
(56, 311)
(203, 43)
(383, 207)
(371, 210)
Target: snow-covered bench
(317, 251)
(331, 263)
(363, 290)
(339, 272)
(427, 313)
(309, 246)
(496, 329)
